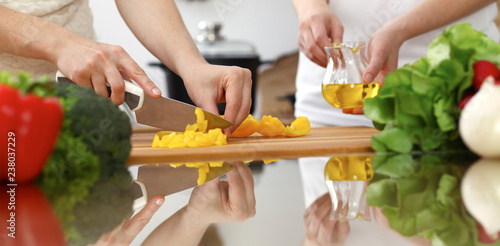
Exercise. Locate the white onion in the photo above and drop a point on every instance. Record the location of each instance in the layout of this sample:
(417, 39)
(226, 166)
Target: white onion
(480, 190)
(480, 121)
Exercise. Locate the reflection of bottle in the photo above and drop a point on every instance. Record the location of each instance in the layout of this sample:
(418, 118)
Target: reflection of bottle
(346, 178)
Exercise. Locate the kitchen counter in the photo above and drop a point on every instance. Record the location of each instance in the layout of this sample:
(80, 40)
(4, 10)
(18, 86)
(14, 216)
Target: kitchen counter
(406, 185)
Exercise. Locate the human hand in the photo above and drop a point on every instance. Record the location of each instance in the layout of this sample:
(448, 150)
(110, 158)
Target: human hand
(383, 51)
(126, 232)
(318, 27)
(320, 230)
(92, 64)
(224, 201)
(209, 85)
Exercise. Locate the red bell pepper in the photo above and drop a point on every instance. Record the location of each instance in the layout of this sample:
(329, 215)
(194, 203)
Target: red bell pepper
(29, 219)
(29, 127)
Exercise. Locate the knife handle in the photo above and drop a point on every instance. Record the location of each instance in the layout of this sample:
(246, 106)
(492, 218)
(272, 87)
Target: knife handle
(134, 95)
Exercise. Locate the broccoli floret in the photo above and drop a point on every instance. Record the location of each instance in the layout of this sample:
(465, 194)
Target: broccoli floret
(109, 203)
(105, 129)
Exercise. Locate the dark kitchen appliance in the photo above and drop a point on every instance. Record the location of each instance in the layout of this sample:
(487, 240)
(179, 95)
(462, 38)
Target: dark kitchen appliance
(216, 50)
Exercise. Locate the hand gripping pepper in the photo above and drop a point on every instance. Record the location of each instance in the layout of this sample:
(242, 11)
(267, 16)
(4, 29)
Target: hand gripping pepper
(29, 127)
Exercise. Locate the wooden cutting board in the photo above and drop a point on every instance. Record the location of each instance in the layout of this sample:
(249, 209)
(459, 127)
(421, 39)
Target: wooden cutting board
(322, 141)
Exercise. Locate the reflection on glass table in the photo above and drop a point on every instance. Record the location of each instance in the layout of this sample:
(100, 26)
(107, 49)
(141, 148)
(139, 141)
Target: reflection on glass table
(420, 197)
(346, 178)
(415, 199)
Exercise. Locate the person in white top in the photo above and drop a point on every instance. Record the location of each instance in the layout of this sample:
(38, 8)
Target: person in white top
(41, 37)
(397, 32)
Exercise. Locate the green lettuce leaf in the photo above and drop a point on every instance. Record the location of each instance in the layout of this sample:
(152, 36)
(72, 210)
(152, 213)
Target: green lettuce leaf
(421, 197)
(417, 107)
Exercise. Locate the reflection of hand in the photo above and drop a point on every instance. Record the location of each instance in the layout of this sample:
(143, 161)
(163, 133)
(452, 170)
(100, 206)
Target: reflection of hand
(125, 233)
(214, 201)
(320, 230)
(318, 27)
(383, 51)
(225, 201)
(209, 84)
(92, 64)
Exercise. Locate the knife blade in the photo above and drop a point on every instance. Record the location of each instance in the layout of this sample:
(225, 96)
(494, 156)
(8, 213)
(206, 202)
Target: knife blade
(163, 179)
(161, 112)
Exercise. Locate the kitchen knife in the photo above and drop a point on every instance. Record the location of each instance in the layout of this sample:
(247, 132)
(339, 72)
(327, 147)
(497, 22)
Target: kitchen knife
(163, 179)
(161, 112)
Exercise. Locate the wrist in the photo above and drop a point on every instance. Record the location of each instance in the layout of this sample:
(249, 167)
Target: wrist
(399, 31)
(194, 218)
(306, 8)
(191, 67)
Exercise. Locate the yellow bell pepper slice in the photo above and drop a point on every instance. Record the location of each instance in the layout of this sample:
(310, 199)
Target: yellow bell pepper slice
(267, 161)
(200, 116)
(202, 176)
(156, 142)
(202, 127)
(271, 126)
(299, 127)
(192, 127)
(247, 127)
(194, 136)
(215, 163)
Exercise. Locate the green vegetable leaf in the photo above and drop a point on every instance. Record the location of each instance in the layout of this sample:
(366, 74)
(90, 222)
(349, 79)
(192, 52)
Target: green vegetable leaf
(426, 200)
(393, 139)
(421, 99)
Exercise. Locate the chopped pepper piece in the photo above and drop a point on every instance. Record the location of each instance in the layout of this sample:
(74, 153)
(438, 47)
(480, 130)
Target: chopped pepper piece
(267, 161)
(203, 168)
(247, 127)
(299, 127)
(193, 137)
(271, 126)
(202, 176)
(156, 142)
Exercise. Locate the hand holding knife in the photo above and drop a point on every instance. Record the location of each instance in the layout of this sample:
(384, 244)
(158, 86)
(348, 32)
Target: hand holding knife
(161, 112)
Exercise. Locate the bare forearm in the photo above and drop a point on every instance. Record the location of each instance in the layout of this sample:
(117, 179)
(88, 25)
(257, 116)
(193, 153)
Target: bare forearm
(431, 14)
(30, 36)
(302, 7)
(159, 27)
(182, 228)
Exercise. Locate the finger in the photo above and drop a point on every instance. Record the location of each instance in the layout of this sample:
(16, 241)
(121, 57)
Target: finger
(238, 97)
(248, 184)
(117, 85)
(313, 49)
(99, 84)
(83, 80)
(237, 199)
(336, 33)
(341, 231)
(135, 225)
(320, 36)
(305, 52)
(311, 57)
(314, 206)
(323, 209)
(326, 231)
(135, 72)
(373, 68)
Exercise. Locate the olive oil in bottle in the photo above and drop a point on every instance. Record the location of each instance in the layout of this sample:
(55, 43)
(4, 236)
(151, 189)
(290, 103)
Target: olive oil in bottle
(349, 95)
